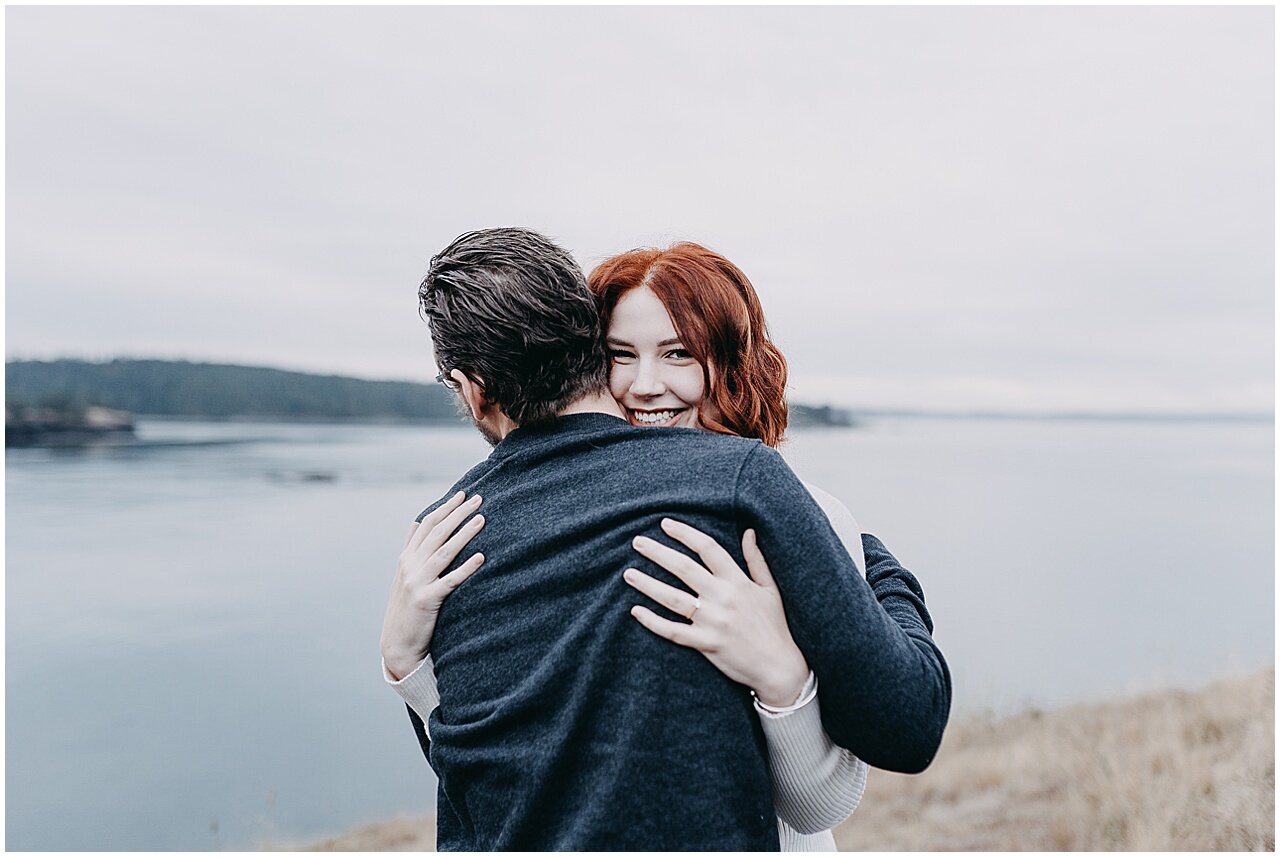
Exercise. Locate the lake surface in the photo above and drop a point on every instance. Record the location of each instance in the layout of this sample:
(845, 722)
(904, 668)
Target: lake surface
(192, 630)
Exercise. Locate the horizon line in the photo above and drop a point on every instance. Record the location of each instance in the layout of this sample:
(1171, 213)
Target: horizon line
(1036, 413)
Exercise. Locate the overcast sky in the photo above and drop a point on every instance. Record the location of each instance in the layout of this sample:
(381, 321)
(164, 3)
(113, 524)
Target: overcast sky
(1019, 208)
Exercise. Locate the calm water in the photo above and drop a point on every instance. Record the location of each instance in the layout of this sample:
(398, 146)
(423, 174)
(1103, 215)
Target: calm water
(193, 630)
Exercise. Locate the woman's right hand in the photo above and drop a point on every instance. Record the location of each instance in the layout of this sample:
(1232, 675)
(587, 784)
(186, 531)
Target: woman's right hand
(419, 587)
(736, 618)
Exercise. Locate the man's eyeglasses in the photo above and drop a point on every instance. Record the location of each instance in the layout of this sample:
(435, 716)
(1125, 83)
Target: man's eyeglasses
(443, 378)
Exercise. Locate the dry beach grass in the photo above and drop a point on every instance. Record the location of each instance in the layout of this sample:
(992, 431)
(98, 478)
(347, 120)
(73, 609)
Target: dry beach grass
(1171, 770)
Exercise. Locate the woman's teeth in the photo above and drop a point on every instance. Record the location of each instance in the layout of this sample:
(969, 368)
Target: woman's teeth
(654, 417)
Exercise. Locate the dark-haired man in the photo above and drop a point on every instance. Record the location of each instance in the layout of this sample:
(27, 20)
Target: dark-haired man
(562, 724)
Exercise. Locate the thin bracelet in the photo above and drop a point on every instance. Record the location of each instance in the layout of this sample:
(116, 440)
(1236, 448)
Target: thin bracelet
(807, 693)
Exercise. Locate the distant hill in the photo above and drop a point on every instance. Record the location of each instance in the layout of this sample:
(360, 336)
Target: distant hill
(222, 391)
(179, 388)
(805, 416)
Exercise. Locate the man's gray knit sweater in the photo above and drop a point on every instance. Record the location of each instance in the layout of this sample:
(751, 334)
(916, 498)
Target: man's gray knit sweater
(564, 725)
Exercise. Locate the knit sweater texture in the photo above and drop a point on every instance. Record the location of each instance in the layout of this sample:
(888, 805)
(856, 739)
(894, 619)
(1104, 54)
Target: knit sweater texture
(565, 725)
(816, 784)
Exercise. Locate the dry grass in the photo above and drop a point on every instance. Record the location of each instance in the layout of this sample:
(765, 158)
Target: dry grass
(1173, 770)
(417, 833)
(1168, 771)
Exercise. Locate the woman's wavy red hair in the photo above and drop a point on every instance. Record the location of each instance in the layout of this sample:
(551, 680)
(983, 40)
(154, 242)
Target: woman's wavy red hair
(717, 313)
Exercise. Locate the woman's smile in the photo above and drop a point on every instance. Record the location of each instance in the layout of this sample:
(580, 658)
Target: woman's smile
(667, 417)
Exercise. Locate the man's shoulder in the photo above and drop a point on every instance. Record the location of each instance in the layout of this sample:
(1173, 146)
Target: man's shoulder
(668, 464)
(594, 452)
(704, 442)
(693, 453)
(463, 483)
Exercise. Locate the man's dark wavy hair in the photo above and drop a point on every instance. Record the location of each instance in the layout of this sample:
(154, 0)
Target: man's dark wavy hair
(512, 310)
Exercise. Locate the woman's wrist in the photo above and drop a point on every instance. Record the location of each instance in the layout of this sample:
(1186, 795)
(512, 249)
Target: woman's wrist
(784, 683)
(400, 663)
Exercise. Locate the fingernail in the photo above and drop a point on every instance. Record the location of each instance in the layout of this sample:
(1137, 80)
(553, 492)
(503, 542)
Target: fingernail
(629, 574)
(479, 519)
(480, 558)
(667, 521)
(459, 495)
(475, 498)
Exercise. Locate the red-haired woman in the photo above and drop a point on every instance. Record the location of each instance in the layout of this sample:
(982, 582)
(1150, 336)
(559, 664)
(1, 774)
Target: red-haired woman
(689, 347)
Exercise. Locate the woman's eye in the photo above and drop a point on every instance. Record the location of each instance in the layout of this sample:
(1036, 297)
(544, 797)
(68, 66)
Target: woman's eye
(619, 356)
(679, 354)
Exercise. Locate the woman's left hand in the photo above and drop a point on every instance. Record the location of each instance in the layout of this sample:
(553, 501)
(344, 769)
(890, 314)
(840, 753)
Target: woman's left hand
(735, 621)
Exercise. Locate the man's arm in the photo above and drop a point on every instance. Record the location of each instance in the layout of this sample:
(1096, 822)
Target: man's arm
(884, 686)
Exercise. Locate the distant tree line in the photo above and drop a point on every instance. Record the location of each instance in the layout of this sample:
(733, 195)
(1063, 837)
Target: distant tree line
(180, 388)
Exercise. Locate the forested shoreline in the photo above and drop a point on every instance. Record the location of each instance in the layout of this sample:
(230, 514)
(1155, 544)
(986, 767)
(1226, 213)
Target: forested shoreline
(218, 391)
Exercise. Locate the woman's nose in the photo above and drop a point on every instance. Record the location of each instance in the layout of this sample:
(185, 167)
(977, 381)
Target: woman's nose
(648, 381)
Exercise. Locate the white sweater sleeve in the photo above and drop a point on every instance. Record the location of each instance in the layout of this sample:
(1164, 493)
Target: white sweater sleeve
(816, 784)
(418, 688)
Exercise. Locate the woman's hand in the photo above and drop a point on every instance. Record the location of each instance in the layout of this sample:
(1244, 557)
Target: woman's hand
(419, 589)
(736, 621)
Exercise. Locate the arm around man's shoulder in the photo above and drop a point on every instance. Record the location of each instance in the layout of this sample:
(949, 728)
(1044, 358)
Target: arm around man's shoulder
(885, 691)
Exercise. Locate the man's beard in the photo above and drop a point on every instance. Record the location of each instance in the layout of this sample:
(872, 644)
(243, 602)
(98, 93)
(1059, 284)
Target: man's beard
(485, 432)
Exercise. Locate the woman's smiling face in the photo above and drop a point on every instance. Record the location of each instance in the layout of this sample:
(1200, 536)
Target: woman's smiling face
(655, 379)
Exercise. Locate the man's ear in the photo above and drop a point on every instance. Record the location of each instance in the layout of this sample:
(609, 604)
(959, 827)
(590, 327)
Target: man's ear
(472, 393)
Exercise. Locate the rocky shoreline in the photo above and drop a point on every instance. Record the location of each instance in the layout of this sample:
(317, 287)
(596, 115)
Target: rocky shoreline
(65, 427)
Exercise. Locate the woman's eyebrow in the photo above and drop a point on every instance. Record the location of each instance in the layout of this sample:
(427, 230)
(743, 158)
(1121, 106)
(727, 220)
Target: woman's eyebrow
(613, 340)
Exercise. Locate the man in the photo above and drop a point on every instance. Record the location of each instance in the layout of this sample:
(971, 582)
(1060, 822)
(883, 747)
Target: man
(562, 723)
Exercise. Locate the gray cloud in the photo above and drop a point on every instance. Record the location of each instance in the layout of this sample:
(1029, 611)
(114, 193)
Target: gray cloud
(994, 207)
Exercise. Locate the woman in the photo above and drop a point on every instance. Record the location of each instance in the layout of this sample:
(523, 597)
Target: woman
(689, 348)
